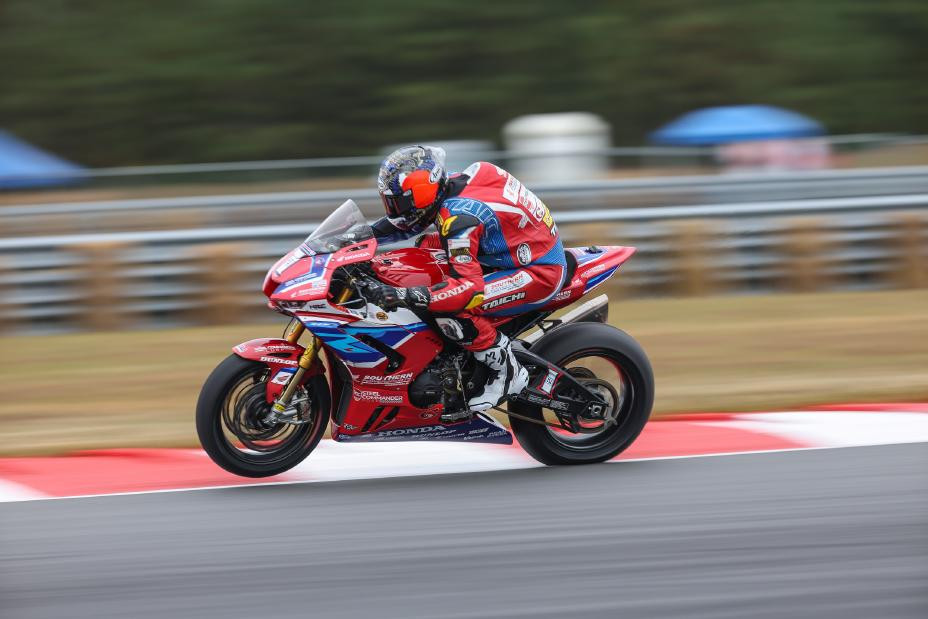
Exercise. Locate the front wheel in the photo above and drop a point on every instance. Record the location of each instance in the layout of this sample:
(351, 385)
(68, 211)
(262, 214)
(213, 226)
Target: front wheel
(608, 361)
(232, 427)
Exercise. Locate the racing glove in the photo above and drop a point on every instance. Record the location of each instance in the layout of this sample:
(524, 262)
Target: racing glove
(390, 298)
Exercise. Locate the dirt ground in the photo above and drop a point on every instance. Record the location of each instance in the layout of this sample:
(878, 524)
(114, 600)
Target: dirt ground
(139, 388)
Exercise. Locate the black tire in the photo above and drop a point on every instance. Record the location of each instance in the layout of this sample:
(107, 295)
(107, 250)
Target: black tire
(215, 395)
(573, 341)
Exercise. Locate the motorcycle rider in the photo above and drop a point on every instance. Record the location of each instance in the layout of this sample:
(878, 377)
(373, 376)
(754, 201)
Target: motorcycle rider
(504, 254)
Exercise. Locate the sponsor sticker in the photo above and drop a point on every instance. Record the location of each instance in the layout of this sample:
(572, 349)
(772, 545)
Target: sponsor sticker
(291, 259)
(408, 431)
(278, 360)
(311, 288)
(393, 379)
(418, 296)
(524, 253)
(458, 243)
(275, 348)
(447, 294)
(376, 396)
(512, 189)
(282, 377)
(509, 298)
(446, 225)
(550, 379)
(563, 294)
(463, 259)
(547, 403)
(507, 284)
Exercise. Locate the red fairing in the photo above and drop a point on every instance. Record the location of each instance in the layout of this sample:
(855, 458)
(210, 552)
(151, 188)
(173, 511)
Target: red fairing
(379, 397)
(298, 277)
(280, 356)
(294, 263)
(411, 267)
(594, 266)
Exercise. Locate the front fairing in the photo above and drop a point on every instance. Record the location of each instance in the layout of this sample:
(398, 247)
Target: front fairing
(308, 277)
(304, 272)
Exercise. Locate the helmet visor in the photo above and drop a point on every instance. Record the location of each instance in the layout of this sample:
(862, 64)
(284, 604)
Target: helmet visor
(401, 206)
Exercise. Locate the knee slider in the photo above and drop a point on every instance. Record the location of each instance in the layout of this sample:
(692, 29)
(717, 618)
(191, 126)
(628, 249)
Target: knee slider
(457, 330)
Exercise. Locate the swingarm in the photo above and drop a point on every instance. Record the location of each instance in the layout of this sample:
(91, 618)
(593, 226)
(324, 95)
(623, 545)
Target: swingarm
(559, 391)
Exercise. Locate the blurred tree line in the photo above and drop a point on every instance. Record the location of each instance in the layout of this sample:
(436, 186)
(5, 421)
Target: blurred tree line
(112, 82)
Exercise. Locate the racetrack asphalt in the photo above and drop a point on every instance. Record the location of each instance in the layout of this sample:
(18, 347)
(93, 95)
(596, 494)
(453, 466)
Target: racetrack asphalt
(820, 533)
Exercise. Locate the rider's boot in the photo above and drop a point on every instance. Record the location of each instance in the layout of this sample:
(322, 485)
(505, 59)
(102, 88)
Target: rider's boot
(506, 375)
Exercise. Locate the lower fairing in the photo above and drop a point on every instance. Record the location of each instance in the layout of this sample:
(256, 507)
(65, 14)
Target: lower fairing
(481, 429)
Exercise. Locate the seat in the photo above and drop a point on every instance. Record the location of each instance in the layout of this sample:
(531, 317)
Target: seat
(571, 267)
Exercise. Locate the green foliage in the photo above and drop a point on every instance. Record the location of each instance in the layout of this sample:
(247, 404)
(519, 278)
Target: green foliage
(110, 82)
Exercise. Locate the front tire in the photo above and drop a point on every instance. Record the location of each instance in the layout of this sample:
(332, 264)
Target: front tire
(229, 413)
(635, 390)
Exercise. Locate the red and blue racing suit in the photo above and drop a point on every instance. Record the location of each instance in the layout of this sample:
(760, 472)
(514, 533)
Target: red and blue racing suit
(504, 253)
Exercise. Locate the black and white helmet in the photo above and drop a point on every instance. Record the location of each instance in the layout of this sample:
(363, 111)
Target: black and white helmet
(412, 183)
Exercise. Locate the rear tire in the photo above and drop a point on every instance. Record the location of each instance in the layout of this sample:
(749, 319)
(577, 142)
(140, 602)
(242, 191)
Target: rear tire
(235, 379)
(569, 343)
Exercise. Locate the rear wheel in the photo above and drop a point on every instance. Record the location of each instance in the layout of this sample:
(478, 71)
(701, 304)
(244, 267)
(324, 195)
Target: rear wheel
(610, 363)
(233, 425)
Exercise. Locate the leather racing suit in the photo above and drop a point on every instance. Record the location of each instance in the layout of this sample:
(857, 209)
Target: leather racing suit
(504, 252)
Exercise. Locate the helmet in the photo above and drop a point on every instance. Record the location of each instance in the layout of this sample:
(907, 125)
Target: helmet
(412, 183)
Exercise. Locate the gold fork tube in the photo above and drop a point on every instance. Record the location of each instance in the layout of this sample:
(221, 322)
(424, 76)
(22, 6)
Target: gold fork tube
(344, 295)
(306, 361)
(293, 334)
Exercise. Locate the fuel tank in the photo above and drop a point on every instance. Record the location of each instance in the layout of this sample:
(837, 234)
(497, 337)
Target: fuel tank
(412, 266)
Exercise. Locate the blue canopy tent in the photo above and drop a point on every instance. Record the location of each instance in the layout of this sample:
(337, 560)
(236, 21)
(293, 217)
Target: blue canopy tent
(23, 166)
(736, 123)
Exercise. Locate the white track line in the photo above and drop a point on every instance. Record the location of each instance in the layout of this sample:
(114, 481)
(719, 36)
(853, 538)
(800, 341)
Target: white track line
(11, 492)
(834, 429)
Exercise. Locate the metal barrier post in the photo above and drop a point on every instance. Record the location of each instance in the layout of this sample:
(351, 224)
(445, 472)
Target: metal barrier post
(804, 259)
(692, 246)
(217, 278)
(8, 322)
(100, 281)
(910, 249)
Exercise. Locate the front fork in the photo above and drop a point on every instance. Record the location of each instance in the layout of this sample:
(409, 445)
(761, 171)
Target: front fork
(306, 361)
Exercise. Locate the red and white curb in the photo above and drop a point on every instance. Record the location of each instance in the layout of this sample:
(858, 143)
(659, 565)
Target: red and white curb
(125, 471)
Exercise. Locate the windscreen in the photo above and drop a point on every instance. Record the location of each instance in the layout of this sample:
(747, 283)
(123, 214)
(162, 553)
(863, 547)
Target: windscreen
(345, 226)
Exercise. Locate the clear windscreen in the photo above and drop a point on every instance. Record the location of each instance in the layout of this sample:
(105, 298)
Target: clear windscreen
(345, 226)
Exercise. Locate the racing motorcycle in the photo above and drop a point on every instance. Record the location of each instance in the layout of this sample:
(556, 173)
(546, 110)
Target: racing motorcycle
(394, 376)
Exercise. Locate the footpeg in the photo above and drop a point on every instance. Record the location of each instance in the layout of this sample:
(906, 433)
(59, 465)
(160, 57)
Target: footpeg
(458, 416)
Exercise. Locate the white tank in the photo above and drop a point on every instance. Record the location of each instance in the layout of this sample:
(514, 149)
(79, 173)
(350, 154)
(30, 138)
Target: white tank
(557, 147)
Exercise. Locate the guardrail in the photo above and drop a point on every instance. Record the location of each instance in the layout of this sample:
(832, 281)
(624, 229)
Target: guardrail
(285, 207)
(213, 275)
